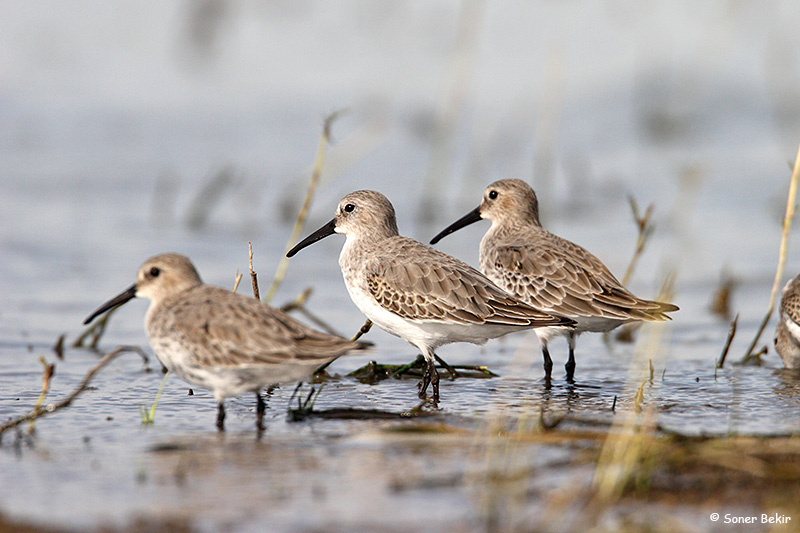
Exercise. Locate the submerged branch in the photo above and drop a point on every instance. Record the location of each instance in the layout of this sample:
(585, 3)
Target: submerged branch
(41, 410)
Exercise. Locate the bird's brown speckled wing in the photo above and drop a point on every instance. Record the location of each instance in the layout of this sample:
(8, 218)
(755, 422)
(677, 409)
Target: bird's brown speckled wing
(417, 282)
(790, 306)
(232, 330)
(558, 275)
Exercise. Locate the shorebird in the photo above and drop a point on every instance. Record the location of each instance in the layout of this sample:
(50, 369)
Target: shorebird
(415, 292)
(223, 341)
(787, 332)
(549, 272)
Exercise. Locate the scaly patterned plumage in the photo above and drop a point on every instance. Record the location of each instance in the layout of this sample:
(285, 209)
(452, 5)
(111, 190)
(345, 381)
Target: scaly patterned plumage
(549, 272)
(787, 332)
(415, 292)
(222, 341)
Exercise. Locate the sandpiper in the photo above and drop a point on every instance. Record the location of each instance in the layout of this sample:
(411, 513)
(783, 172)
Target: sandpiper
(549, 272)
(415, 292)
(787, 333)
(222, 341)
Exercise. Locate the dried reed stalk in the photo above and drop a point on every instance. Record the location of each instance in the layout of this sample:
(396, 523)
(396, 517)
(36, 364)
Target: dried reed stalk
(787, 225)
(303, 213)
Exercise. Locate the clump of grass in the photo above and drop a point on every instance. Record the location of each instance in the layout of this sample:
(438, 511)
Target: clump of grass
(623, 456)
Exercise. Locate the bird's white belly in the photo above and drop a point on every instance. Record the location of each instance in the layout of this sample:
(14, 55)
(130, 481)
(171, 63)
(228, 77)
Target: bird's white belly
(227, 381)
(425, 333)
(791, 327)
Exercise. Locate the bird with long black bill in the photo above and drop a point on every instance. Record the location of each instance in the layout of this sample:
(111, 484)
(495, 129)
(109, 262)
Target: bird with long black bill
(223, 341)
(549, 272)
(415, 292)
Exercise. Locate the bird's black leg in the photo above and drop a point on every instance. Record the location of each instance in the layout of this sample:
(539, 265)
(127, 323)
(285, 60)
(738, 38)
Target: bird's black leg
(434, 381)
(548, 365)
(260, 408)
(426, 379)
(570, 366)
(221, 417)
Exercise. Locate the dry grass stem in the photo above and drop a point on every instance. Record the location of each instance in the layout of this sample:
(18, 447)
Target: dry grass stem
(791, 207)
(298, 302)
(726, 348)
(49, 369)
(253, 275)
(42, 410)
(721, 300)
(299, 305)
(236, 281)
(645, 228)
(303, 213)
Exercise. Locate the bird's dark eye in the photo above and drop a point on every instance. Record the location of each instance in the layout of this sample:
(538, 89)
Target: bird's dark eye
(155, 272)
(349, 208)
(492, 195)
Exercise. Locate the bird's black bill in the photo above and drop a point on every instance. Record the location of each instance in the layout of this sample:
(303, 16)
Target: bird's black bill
(120, 299)
(321, 233)
(470, 218)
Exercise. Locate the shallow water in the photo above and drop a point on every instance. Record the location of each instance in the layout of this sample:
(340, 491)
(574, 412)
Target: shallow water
(110, 132)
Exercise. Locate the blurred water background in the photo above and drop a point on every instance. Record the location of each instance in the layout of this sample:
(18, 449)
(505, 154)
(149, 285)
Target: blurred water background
(130, 129)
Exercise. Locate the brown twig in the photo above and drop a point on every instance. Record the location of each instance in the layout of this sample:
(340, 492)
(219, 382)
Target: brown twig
(731, 333)
(253, 275)
(363, 331)
(95, 331)
(59, 346)
(303, 213)
(41, 410)
(787, 225)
